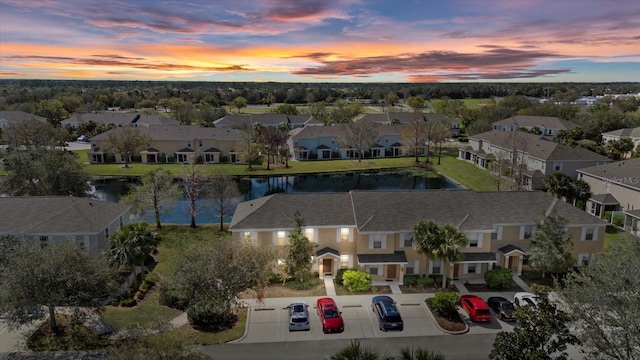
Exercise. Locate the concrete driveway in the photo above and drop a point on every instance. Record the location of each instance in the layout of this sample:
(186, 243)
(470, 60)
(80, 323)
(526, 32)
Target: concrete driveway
(268, 322)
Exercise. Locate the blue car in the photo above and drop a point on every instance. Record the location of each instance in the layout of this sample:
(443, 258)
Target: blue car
(388, 315)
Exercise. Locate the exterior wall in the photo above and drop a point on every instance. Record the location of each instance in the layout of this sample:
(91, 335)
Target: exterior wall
(586, 248)
(628, 197)
(312, 144)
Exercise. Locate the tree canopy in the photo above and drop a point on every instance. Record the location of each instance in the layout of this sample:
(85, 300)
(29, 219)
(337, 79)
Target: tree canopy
(440, 243)
(127, 142)
(550, 245)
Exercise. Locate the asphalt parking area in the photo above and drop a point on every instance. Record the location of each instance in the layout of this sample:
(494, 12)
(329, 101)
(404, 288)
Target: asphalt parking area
(270, 324)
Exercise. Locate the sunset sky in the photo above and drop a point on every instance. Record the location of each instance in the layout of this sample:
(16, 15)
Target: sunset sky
(322, 40)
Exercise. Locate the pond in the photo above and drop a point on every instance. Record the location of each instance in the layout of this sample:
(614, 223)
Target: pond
(257, 187)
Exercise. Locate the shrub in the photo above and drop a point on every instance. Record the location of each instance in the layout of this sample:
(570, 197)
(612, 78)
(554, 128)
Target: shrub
(426, 281)
(128, 302)
(411, 280)
(303, 285)
(275, 278)
(338, 278)
(172, 299)
(618, 220)
(354, 280)
(498, 278)
(209, 316)
(444, 303)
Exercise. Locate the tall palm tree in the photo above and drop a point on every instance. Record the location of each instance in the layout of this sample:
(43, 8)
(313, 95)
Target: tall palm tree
(419, 354)
(440, 243)
(559, 185)
(130, 246)
(580, 192)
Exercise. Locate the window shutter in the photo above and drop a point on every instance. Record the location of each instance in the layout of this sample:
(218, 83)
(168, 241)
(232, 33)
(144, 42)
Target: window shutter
(275, 238)
(595, 233)
(350, 235)
(500, 232)
(521, 232)
(480, 236)
(466, 269)
(338, 235)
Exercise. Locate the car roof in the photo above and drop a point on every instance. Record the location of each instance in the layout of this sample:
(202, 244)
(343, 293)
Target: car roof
(327, 301)
(383, 298)
(477, 302)
(498, 299)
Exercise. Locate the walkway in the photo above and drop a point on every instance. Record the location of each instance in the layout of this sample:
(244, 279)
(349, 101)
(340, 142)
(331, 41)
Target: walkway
(521, 283)
(329, 286)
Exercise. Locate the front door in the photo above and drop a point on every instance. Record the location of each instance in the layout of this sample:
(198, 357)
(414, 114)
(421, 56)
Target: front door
(326, 266)
(455, 271)
(513, 263)
(391, 271)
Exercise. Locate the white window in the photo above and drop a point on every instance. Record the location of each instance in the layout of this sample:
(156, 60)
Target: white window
(436, 267)
(585, 259)
(594, 208)
(607, 186)
(344, 261)
(310, 233)
(557, 166)
(281, 238)
(344, 235)
(371, 269)
(412, 267)
(470, 268)
(377, 241)
(589, 233)
(527, 231)
(494, 235)
(406, 240)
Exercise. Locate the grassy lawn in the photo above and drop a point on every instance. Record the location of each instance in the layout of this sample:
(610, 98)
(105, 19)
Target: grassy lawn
(190, 336)
(475, 103)
(612, 234)
(145, 315)
(465, 173)
(72, 336)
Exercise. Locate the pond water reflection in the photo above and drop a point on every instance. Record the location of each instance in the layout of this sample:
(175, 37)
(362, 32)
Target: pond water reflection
(257, 187)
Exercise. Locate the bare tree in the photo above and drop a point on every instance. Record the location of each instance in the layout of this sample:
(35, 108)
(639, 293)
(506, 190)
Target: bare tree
(194, 185)
(127, 142)
(518, 145)
(413, 137)
(359, 136)
(249, 144)
(154, 193)
(224, 193)
(440, 133)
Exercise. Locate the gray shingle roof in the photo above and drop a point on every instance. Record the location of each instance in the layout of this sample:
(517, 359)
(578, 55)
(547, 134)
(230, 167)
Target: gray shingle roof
(479, 257)
(14, 117)
(626, 132)
(400, 210)
(327, 250)
(625, 172)
(534, 121)
(105, 118)
(509, 249)
(605, 199)
(538, 147)
(398, 257)
(181, 132)
(56, 215)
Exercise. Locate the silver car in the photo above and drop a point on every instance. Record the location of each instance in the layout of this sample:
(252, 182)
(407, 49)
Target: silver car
(298, 316)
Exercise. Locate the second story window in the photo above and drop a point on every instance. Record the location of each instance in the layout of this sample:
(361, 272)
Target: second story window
(282, 237)
(589, 233)
(528, 231)
(344, 234)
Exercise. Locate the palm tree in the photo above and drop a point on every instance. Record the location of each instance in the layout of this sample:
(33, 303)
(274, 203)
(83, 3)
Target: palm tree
(419, 354)
(440, 243)
(580, 192)
(559, 185)
(130, 246)
(356, 352)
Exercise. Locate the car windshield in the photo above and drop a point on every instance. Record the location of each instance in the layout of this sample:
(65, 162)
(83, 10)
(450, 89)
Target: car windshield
(530, 301)
(393, 318)
(299, 319)
(507, 306)
(331, 313)
(298, 308)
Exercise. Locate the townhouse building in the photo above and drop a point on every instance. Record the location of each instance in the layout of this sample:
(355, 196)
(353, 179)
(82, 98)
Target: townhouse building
(116, 118)
(11, 118)
(177, 143)
(532, 157)
(270, 120)
(372, 230)
(616, 135)
(548, 126)
(44, 220)
(404, 118)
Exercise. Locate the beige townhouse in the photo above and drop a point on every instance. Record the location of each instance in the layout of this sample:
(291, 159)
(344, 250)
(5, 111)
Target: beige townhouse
(372, 230)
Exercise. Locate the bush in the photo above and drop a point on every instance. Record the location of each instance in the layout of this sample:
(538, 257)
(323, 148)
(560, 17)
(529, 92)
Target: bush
(171, 299)
(275, 278)
(303, 285)
(426, 281)
(354, 280)
(338, 278)
(498, 278)
(209, 316)
(411, 280)
(618, 220)
(444, 304)
(128, 302)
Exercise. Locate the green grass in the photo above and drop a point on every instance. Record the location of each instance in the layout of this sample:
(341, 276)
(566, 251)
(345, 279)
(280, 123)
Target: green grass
(146, 314)
(612, 234)
(465, 173)
(191, 336)
(475, 103)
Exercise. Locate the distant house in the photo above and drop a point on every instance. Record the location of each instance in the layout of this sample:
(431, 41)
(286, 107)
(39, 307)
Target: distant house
(12, 118)
(267, 120)
(548, 126)
(43, 220)
(118, 119)
(631, 133)
(531, 156)
(404, 118)
(177, 143)
(615, 187)
(325, 142)
(372, 230)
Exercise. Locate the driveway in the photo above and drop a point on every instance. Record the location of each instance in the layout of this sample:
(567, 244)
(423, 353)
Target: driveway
(268, 322)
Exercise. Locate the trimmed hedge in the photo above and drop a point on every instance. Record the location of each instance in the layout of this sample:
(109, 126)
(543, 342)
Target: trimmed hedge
(498, 278)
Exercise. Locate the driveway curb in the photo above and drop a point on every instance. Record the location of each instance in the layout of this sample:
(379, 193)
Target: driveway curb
(466, 329)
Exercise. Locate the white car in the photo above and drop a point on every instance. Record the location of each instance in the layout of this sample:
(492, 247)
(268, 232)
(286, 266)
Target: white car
(298, 316)
(525, 299)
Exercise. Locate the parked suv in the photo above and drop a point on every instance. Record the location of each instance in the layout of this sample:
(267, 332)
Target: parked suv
(388, 315)
(298, 316)
(330, 316)
(476, 307)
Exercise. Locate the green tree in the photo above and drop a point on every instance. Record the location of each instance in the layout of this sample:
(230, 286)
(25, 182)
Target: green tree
(602, 301)
(36, 280)
(223, 195)
(559, 184)
(498, 278)
(260, 261)
(33, 134)
(445, 304)
(127, 142)
(550, 245)
(580, 193)
(541, 334)
(354, 280)
(239, 103)
(359, 136)
(43, 172)
(155, 192)
(53, 110)
(130, 247)
(298, 253)
(617, 149)
(288, 109)
(439, 243)
(415, 103)
(319, 111)
(391, 99)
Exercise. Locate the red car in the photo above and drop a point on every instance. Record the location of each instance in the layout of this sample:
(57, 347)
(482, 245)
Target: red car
(476, 307)
(330, 316)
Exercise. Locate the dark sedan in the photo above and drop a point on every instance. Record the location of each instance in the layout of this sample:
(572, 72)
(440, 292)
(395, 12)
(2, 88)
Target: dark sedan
(502, 307)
